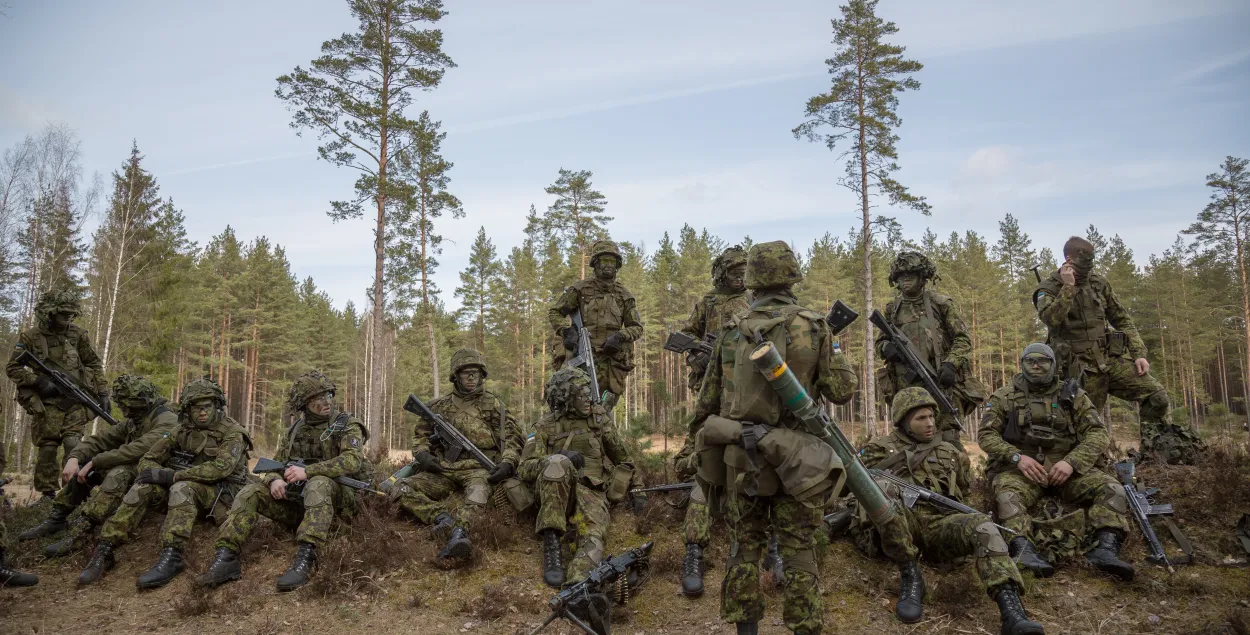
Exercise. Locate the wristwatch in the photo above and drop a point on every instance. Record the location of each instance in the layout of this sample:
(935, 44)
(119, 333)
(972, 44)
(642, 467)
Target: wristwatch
(1015, 459)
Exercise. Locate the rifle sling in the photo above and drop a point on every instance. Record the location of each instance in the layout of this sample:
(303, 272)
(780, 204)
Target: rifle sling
(1181, 539)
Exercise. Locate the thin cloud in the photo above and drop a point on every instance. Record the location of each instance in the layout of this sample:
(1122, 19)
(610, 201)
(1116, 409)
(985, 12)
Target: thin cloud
(1213, 65)
(234, 164)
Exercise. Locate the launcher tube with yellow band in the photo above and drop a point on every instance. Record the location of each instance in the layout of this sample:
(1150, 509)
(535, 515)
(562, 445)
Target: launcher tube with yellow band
(817, 422)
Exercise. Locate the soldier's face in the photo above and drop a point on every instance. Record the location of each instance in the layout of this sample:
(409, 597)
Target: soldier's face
(201, 410)
(910, 284)
(922, 424)
(579, 404)
(606, 268)
(132, 408)
(1037, 368)
(469, 378)
(320, 404)
(61, 320)
(736, 278)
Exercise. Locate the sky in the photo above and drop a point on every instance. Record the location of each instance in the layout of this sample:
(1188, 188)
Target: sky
(1063, 114)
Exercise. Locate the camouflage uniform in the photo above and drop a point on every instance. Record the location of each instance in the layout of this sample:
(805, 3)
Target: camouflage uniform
(734, 390)
(933, 324)
(56, 420)
(563, 491)
(1077, 319)
(481, 417)
(608, 312)
(9, 576)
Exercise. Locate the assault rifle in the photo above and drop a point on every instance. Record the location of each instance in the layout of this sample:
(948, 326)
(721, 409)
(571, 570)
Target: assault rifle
(181, 460)
(1142, 508)
(588, 600)
(669, 487)
(65, 384)
(585, 358)
(913, 493)
(919, 367)
(679, 342)
(270, 466)
(454, 442)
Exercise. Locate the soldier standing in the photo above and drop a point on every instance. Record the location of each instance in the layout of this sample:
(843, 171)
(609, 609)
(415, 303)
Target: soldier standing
(737, 406)
(609, 315)
(1044, 438)
(331, 445)
(216, 448)
(933, 324)
(916, 453)
(483, 419)
(1077, 305)
(56, 420)
(101, 468)
(565, 460)
(708, 317)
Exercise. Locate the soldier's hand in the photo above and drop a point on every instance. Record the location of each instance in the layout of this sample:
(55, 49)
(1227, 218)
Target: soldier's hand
(428, 462)
(575, 457)
(686, 467)
(613, 344)
(947, 375)
(1142, 365)
(1059, 473)
(893, 353)
(1067, 273)
(570, 338)
(698, 361)
(277, 489)
(1033, 470)
(45, 387)
(85, 471)
(71, 468)
(640, 503)
(163, 477)
(295, 474)
(503, 472)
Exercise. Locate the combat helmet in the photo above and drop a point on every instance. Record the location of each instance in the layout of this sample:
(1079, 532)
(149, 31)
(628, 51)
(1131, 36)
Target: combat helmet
(1038, 347)
(57, 301)
(464, 358)
(772, 265)
(134, 391)
(913, 262)
(907, 400)
(560, 388)
(728, 259)
(203, 388)
(605, 247)
(306, 387)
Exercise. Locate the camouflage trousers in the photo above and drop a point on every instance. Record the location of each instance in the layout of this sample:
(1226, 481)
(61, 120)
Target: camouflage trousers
(186, 500)
(425, 494)
(697, 525)
(563, 499)
(1120, 379)
(310, 515)
(98, 502)
(1104, 499)
(51, 430)
(795, 523)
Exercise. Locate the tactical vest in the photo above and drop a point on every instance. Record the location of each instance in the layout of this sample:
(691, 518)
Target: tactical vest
(1039, 424)
(575, 433)
(921, 324)
(796, 332)
(60, 351)
(603, 310)
(317, 442)
(1085, 326)
(933, 465)
(719, 309)
(475, 423)
(205, 443)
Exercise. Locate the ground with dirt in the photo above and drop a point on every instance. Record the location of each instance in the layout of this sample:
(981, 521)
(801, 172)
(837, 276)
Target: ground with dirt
(382, 574)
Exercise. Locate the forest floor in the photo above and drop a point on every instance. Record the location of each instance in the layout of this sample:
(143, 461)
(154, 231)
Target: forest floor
(382, 575)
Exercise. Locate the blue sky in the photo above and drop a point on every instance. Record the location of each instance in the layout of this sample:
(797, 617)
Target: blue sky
(1064, 115)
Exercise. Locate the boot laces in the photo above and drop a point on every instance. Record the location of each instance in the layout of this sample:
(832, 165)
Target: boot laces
(692, 564)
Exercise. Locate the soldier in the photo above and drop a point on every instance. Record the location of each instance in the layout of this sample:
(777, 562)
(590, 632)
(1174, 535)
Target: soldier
(916, 453)
(1044, 438)
(100, 470)
(1077, 305)
(608, 313)
(708, 317)
(565, 460)
(9, 576)
(331, 445)
(215, 446)
(482, 417)
(739, 413)
(932, 322)
(57, 420)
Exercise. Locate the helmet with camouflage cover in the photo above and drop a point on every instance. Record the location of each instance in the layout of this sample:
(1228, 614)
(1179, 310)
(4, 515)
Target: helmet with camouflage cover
(306, 387)
(562, 386)
(912, 262)
(464, 358)
(772, 264)
(907, 400)
(730, 258)
(605, 247)
(203, 388)
(57, 301)
(134, 391)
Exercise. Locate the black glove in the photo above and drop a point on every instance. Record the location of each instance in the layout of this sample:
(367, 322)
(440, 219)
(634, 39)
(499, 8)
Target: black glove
(428, 462)
(640, 503)
(576, 457)
(893, 353)
(613, 343)
(698, 361)
(46, 388)
(103, 399)
(503, 472)
(163, 477)
(570, 339)
(947, 375)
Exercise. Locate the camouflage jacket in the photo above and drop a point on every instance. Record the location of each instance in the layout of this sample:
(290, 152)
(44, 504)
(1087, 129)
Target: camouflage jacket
(127, 441)
(482, 418)
(71, 351)
(936, 465)
(1076, 318)
(328, 449)
(219, 450)
(932, 322)
(607, 308)
(1043, 424)
(594, 437)
(712, 311)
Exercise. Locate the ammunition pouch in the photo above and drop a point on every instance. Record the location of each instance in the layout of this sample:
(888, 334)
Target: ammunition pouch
(721, 431)
(711, 468)
(517, 494)
(802, 462)
(1117, 344)
(618, 483)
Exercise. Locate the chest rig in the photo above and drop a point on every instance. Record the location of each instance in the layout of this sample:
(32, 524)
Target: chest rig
(920, 323)
(1041, 424)
(202, 445)
(932, 465)
(575, 433)
(316, 442)
(474, 418)
(603, 310)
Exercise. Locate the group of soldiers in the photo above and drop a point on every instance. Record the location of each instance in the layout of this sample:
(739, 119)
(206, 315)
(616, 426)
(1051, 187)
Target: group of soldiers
(749, 457)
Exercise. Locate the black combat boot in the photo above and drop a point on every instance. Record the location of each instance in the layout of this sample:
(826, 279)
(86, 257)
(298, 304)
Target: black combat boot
(1105, 556)
(301, 568)
(100, 562)
(12, 577)
(55, 523)
(224, 568)
(76, 538)
(1025, 555)
(748, 628)
(443, 524)
(910, 607)
(1014, 620)
(458, 546)
(553, 568)
(168, 565)
(692, 573)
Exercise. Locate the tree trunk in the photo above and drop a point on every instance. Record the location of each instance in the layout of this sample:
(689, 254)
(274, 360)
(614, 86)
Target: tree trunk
(870, 388)
(1245, 290)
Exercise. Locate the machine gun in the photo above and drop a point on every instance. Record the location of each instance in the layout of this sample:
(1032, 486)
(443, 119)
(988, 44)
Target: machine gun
(589, 601)
(1142, 508)
(585, 358)
(679, 342)
(270, 466)
(919, 367)
(913, 493)
(66, 384)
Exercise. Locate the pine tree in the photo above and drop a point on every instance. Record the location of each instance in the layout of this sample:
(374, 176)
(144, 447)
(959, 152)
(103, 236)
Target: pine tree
(576, 217)
(475, 287)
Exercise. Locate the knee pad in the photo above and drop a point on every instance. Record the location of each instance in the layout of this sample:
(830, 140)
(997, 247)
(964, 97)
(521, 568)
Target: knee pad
(1008, 505)
(804, 560)
(477, 492)
(1113, 495)
(1158, 399)
(557, 467)
(136, 494)
(117, 481)
(697, 495)
(989, 541)
(592, 548)
(318, 491)
(180, 494)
